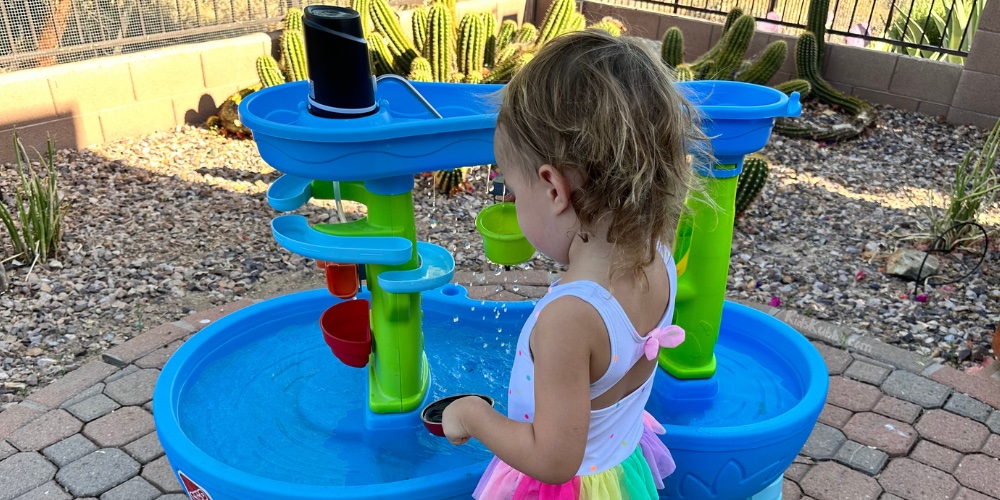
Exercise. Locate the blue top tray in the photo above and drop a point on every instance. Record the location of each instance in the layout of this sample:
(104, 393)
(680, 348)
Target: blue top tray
(403, 138)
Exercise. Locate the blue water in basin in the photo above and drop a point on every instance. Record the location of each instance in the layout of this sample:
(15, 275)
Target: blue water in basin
(259, 395)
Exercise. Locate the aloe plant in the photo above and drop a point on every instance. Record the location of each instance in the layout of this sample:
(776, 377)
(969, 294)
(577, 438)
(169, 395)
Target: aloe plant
(38, 207)
(936, 26)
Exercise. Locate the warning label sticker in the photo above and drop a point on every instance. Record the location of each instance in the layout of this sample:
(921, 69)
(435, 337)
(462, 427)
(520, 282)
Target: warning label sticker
(194, 492)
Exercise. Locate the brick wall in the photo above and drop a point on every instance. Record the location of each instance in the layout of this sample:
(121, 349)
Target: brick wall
(969, 94)
(90, 102)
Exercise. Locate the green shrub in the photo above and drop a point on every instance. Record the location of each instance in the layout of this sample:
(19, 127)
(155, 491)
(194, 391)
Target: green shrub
(35, 222)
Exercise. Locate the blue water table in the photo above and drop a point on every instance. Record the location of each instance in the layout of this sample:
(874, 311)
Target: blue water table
(317, 394)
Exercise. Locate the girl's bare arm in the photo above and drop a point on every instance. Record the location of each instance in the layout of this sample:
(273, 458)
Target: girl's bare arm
(551, 447)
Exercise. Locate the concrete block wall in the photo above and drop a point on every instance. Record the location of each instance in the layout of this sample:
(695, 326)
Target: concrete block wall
(967, 95)
(91, 102)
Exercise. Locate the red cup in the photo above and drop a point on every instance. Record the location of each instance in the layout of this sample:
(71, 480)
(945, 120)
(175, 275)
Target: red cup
(346, 329)
(432, 413)
(342, 279)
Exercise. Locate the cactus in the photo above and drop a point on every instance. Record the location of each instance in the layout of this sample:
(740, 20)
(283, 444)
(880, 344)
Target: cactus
(382, 60)
(734, 47)
(502, 72)
(474, 77)
(556, 20)
(363, 7)
(684, 73)
(387, 24)
(611, 25)
(293, 55)
(672, 49)
(293, 19)
(862, 114)
(816, 24)
(767, 65)
(801, 86)
(440, 42)
(452, 12)
(456, 78)
(472, 44)
(507, 52)
(577, 22)
(420, 70)
(507, 30)
(269, 72)
(750, 183)
(731, 18)
(490, 28)
(526, 34)
(805, 60)
(448, 182)
(419, 25)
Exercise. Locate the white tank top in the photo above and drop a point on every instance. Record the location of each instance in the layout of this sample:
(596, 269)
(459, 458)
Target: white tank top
(614, 431)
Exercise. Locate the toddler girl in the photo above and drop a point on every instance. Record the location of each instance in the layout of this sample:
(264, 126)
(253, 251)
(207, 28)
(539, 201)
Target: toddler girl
(592, 138)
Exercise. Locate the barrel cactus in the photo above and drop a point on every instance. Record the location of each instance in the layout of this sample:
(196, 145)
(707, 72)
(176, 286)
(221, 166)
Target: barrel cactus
(269, 72)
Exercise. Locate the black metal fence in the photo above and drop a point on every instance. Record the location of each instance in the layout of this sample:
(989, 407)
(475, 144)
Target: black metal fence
(937, 29)
(47, 32)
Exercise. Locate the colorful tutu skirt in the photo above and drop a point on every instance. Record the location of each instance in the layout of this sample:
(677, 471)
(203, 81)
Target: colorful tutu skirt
(637, 478)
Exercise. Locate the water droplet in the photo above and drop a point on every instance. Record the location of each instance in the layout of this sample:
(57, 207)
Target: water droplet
(497, 288)
(515, 288)
(497, 271)
(468, 245)
(473, 308)
(499, 330)
(484, 346)
(455, 319)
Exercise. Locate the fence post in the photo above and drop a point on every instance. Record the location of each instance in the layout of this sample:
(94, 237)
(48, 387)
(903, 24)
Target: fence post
(977, 98)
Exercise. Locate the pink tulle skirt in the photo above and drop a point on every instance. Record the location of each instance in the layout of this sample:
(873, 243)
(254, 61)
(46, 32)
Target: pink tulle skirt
(638, 477)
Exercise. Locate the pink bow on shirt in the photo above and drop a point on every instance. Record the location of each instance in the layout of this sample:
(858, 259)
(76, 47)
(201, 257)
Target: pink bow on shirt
(667, 336)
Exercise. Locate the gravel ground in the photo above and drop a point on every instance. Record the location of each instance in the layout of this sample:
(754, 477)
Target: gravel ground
(168, 223)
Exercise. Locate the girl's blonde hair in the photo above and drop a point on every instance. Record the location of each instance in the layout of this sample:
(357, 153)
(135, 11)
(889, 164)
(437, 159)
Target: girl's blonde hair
(606, 109)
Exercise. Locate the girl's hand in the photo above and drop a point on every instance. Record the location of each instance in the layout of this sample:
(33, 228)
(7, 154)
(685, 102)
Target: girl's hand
(454, 417)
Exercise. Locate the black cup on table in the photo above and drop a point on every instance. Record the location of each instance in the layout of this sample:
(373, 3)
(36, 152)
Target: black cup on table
(341, 84)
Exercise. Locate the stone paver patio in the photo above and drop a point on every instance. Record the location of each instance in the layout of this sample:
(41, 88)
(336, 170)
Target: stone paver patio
(895, 426)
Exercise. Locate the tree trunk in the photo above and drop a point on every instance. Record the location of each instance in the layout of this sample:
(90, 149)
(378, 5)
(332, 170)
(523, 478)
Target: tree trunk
(53, 29)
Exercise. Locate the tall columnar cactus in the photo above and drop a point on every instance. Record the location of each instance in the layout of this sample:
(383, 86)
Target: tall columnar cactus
(819, 10)
(798, 85)
(293, 55)
(382, 60)
(767, 65)
(387, 24)
(713, 51)
(420, 70)
(269, 72)
(611, 25)
(734, 47)
(684, 73)
(556, 20)
(577, 22)
(507, 30)
(502, 72)
(507, 52)
(731, 18)
(293, 19)
(471, 44)
(440, 42)
(526, 34)
(451, 5)
(672, 48)
(419, 26)
(490, 28)
(751, 182)
(364, 9)
(805, 61)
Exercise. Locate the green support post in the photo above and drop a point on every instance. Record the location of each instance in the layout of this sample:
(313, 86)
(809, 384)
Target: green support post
(398, 372)
(701, 288)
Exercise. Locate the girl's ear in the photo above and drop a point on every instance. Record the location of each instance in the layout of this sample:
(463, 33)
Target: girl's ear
(558, 188)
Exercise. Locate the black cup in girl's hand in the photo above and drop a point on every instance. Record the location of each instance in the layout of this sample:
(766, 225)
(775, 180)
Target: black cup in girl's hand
(433, 413)
(341, 84)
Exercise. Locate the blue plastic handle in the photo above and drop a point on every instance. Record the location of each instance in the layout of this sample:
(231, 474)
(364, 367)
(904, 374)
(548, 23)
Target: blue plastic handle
(289, 192)
(437, 266)
(294, 234)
